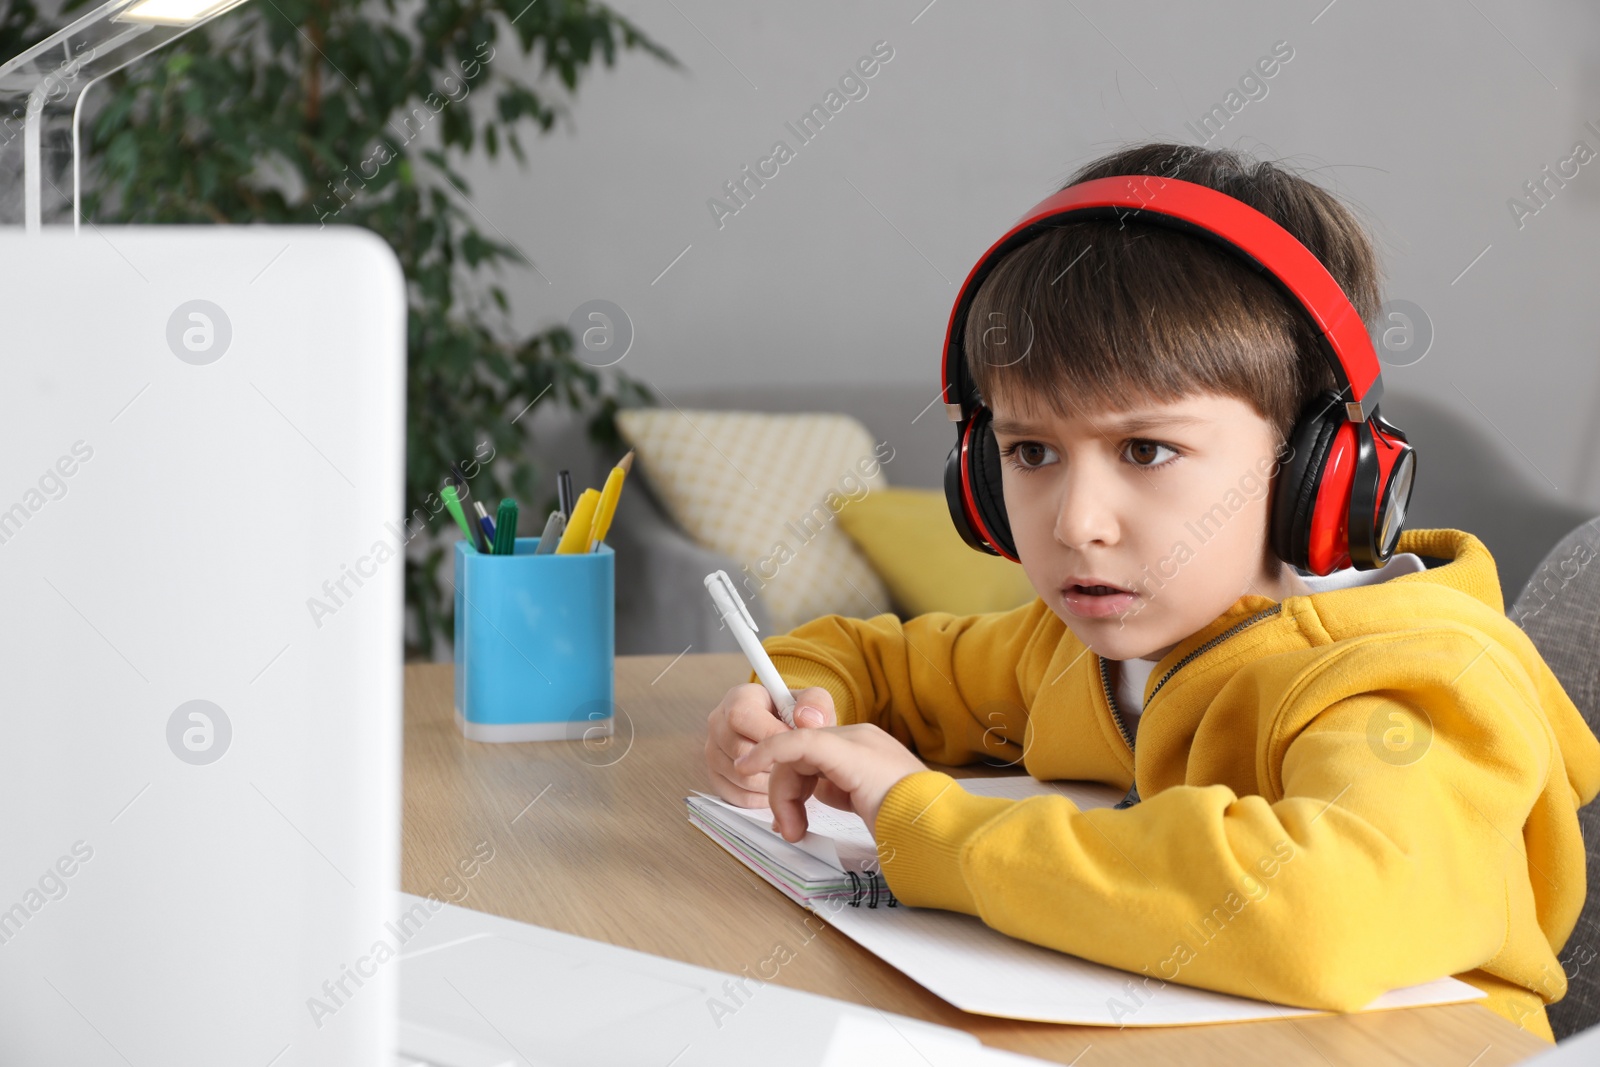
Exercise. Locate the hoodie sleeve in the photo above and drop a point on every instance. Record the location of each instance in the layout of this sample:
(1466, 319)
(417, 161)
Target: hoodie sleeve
(951, 688)
(1369, 863)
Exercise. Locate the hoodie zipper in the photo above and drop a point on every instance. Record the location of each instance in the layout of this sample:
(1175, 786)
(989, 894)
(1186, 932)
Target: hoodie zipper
(1111, 698)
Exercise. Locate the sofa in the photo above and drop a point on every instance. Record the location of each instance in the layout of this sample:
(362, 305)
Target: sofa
(1465, 481)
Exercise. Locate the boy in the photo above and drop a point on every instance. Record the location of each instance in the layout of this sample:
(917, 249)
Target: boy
(1347, 783)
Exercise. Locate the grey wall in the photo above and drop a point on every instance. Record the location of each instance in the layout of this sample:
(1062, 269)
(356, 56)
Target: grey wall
(1427, 117)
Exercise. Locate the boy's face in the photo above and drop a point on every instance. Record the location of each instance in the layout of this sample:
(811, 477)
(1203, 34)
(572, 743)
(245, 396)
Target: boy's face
(1173, 511)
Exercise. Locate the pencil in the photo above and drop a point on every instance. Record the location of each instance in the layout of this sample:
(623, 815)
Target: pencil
(608, 501)
(576, 539)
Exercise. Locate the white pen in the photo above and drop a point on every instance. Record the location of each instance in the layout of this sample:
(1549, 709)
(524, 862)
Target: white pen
(736, 617)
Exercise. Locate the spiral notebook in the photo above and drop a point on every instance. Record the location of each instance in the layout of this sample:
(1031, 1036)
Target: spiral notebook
(835, 862)
(833, 871)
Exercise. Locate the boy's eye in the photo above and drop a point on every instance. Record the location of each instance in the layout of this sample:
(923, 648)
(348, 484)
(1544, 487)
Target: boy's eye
(1144, 453)
(1031, 455)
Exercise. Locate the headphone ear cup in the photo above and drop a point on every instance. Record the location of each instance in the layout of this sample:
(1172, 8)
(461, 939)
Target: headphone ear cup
(954, 498)
(1295, 494)
(988, 492)
(972, 489)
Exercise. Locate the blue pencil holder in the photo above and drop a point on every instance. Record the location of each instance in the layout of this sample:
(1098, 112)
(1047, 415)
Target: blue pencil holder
(535, 637)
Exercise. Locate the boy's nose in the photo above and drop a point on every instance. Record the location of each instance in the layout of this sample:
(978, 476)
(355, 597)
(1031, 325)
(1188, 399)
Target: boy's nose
(1085, 513)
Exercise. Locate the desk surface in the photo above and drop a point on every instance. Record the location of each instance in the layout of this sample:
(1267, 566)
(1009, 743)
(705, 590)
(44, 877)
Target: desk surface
(593, 839)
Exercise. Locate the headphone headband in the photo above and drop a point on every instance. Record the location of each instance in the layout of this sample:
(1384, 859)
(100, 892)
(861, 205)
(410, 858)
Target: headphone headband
(1201, 212)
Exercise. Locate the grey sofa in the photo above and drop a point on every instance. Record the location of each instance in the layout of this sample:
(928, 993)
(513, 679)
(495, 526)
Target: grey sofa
(1464, 481)
(1559, 610)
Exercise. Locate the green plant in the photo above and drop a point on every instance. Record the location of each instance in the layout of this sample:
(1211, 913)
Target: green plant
(308, 111)
(19, 28)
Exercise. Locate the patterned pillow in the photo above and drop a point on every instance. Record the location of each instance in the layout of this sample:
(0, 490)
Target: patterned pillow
(765, 489)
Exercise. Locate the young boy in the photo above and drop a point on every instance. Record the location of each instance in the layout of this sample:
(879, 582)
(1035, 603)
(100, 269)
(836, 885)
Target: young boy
(1344, 784)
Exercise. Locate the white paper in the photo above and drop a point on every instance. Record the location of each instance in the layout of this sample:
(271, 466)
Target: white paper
(981, 970)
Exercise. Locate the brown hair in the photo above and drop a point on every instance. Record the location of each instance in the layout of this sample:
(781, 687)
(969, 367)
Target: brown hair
(1115, 315)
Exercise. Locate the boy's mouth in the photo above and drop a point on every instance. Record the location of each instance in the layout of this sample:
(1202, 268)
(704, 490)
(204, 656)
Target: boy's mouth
(1091, 585)
(1092, 600)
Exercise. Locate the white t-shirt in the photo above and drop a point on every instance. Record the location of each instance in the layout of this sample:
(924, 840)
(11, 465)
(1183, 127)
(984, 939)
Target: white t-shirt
(1133, 674)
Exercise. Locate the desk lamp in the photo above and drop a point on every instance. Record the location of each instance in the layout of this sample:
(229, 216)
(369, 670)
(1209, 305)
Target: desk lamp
(42, 90)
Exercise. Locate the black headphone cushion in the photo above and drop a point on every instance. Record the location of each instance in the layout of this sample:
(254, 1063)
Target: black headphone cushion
(1295, 495)
(984, 470)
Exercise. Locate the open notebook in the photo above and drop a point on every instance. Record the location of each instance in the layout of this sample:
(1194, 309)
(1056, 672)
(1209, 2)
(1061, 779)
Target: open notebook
(833, 870)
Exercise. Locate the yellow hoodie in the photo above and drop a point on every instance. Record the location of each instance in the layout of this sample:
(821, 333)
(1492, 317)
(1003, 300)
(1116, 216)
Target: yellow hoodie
(1342, 793)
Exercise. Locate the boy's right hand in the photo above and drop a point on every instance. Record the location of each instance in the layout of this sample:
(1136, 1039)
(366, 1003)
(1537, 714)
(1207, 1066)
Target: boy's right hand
(746, 716)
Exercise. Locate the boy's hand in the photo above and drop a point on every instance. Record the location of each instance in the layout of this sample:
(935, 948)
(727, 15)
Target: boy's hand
(848, 767)
(745, 717)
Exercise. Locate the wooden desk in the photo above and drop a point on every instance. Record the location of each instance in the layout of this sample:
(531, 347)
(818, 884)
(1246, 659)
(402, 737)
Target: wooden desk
(593, 839)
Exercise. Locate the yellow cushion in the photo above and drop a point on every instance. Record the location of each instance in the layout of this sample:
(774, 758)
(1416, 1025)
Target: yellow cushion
(765, 490)
(908, 536)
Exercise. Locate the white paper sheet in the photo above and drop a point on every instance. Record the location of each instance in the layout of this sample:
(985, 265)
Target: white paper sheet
(981, 970)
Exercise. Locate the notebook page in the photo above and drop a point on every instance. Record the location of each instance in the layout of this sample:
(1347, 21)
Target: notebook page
(981, 970)
(771, 877)
(835, 837)
(801, 868)
(842, 839)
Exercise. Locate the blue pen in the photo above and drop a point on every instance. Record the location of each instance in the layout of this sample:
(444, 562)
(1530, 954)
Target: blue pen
(484, 520)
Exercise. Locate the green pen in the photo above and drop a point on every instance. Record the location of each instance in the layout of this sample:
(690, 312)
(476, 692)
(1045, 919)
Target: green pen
(505, 528)
(453, 502)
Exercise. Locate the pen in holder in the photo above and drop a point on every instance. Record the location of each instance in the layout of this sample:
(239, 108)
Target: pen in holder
(534, 640)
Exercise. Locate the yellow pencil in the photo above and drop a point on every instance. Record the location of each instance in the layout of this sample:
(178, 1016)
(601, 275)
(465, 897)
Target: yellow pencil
(608, 501)
(576, 539)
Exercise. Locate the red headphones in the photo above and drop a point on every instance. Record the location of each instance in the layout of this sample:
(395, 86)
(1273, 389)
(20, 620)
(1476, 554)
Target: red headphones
(1340, 495)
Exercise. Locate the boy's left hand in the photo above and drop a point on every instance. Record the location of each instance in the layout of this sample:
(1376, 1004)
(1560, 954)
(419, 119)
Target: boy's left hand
(847, 767)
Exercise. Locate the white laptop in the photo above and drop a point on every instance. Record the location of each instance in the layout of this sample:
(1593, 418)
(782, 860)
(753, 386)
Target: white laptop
(199, 427)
